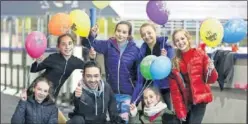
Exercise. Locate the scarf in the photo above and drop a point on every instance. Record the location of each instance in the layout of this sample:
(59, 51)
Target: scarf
(151, 111)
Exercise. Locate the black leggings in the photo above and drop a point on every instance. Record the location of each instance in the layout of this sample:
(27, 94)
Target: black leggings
(195, 114)
(166, 97)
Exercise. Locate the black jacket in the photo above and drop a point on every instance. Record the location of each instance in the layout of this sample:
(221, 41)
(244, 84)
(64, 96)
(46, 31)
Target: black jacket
(94, 105)
(224, 64)
(58, 69)
(31, 112)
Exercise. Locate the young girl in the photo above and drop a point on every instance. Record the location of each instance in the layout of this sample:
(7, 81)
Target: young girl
(157, 46)
(59, 66)
(37, 108)
(153, 109)
(192, 73)
(120, 56)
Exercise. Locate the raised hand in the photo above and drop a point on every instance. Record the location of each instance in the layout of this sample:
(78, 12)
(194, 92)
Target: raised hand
(78, 91)
(163, 52)
(94, 30)
(92, 53)
(133, 110)
(23, 95)
(40, 59)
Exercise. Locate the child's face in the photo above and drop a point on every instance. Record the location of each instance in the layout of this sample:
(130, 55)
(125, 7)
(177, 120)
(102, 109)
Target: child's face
(66, 46)
(41, 91)
(181, 41)
(121, 33)
(148, 34)
(150, 98)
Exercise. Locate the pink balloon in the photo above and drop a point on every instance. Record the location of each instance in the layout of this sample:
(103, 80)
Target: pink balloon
(36, 44)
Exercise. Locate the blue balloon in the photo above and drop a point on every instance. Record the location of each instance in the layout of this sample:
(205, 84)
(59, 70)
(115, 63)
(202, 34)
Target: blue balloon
(235, 30)
(160, 68)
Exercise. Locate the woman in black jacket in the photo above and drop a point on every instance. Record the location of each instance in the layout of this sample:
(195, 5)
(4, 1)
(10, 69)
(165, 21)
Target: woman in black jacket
(59, 66)
(37, 108)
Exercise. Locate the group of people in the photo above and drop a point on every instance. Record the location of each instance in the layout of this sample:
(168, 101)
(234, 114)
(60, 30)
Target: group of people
(186, 88)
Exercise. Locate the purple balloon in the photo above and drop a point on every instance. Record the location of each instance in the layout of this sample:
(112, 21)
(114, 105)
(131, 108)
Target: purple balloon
(157, 12)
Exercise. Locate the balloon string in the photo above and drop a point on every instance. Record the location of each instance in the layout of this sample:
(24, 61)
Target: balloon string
(142, 90)
(164, 35)
(99, 14)
(89, 42)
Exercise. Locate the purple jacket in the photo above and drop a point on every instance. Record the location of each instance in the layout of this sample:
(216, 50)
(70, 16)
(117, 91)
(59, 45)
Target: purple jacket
(120, 69)
(163, 83)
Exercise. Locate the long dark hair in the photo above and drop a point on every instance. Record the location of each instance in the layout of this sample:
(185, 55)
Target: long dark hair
(63, 35)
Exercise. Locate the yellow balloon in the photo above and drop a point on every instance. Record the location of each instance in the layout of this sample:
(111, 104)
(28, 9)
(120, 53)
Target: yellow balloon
(211, 32)
(80, 22)
(100, 4)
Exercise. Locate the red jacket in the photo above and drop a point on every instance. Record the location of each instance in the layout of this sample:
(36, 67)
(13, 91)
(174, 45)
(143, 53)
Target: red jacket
(197, 71)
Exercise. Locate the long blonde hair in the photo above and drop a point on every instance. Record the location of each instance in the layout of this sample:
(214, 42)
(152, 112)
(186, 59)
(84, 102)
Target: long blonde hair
(178, 56)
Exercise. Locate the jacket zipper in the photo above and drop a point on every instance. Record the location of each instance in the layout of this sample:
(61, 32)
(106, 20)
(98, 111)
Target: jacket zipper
(61, 77)
(118, 76)
(95, 103)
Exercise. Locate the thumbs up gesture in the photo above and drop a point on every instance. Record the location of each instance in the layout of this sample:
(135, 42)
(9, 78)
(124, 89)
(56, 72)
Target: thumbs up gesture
(78, 91)
(23, 95)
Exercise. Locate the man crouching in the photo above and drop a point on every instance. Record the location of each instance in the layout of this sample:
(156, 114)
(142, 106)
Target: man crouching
(93, 98)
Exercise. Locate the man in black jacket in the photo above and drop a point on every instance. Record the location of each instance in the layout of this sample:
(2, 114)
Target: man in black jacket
(93, 98)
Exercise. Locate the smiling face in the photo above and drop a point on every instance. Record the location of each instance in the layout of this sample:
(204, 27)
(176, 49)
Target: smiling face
(122, 33)
(92, 77)
(181, 40)
(66, 46)
(150, 98)
(148, 34)
(41, 91)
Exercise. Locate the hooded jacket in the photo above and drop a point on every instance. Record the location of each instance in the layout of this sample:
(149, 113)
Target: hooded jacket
(58, 69)
(93, 105)
(120, 68)
(32, 112)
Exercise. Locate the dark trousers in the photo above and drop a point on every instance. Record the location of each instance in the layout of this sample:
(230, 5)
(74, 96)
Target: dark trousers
(166, 97)
(195, 114)
(77, 119)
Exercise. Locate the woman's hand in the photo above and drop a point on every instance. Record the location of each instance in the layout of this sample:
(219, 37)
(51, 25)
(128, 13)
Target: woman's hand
(94, 30)
(133, 110)
(163, 52)
(211, 65)
(92, 53)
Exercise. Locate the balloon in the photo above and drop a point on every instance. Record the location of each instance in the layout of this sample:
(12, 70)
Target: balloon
(59, 24)
(35, 44)
(211, 32)
(234, 31)
(157, 12)
(160, 68)
(100, 4)
(80, 22)
(145, 66)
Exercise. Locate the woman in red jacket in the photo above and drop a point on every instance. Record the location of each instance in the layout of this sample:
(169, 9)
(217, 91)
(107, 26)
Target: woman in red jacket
(189, 80)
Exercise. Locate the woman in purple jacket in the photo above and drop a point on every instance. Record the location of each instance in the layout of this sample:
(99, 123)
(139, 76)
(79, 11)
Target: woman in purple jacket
(157, 46)
(120, 57)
